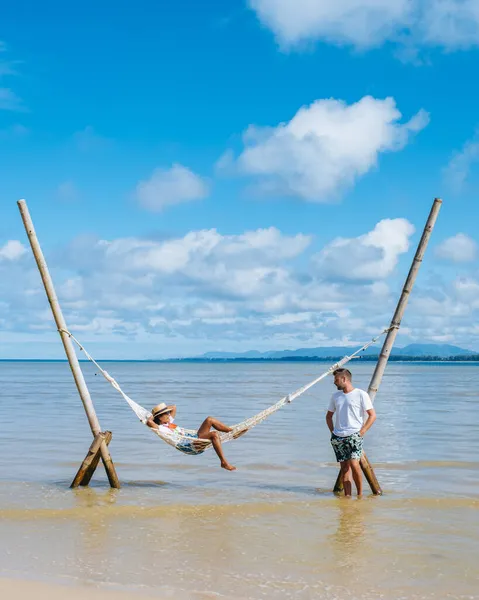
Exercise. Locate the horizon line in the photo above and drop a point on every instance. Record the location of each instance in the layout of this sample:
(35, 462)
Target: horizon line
(473, 357)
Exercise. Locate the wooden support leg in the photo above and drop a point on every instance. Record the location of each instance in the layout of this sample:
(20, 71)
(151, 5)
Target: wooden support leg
(108, 464)
(338, 486)
(368, 473)
(96, 459)
(89, 465)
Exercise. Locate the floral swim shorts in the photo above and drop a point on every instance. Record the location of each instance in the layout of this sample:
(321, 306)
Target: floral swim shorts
(347, 448)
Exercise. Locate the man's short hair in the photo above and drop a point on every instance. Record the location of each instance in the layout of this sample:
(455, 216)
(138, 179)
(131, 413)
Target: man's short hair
(344, 373)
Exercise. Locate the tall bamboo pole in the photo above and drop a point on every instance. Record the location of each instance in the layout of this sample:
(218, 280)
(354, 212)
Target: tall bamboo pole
(67, 343)
(391, 336)
(403, 300)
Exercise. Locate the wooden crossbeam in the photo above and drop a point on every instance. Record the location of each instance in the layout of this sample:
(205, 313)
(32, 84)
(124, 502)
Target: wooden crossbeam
(90, 463)
(369, 474)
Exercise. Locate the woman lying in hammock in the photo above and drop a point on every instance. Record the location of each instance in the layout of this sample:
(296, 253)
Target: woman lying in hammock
(163, 416)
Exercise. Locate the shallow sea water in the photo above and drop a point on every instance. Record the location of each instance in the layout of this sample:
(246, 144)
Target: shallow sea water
(272, 529)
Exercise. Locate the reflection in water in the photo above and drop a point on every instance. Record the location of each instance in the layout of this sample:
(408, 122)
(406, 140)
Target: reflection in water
(349, 535)
(90, 497)
(351, 543)
(94, 536)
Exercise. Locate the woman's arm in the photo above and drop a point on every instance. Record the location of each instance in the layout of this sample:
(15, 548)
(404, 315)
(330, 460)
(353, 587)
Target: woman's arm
(151, 423)
(172, 408)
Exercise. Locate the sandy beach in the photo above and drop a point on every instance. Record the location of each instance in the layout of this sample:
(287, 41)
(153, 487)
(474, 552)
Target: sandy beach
(18, 589)
(25, 590)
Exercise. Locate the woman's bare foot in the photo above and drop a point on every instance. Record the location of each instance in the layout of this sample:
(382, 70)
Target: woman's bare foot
(227, 466)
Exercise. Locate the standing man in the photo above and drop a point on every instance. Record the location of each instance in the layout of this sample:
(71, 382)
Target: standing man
(350, 405)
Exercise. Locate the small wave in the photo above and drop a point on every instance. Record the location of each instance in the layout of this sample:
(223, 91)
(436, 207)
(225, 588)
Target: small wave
(323, 499)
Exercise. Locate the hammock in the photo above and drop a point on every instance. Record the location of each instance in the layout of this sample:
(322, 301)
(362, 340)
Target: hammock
(186, 440)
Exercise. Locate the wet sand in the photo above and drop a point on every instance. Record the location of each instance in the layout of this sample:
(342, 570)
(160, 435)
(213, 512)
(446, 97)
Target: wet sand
(26, 590)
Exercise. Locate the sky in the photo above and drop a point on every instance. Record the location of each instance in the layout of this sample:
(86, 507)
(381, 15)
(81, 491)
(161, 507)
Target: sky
(251, 174)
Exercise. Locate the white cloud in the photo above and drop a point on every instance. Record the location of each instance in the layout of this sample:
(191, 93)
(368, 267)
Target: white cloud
(234, 263)
(325, 147)
(448, 24)
(446, 313)
(67, 192)
(369, 257)
(231, 288)
(452, 24)
(459, 248)
(261, 289)
(12, 250)
(167, 187)
(10, 101)
(14, 132)
(104, 325)
(467, 290)
(289, 318)
(459, 167)
(88, 140)
(362, 23)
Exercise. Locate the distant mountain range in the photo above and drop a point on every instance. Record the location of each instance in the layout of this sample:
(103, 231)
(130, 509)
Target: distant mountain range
(442, 351)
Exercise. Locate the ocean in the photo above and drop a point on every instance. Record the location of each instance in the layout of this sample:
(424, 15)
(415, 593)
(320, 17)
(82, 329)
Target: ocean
(273, 528)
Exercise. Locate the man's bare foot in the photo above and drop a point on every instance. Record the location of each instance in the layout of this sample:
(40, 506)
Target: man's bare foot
(227, 466)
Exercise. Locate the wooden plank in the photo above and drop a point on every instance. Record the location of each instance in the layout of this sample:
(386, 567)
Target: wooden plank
(93, 452)
(107, 435)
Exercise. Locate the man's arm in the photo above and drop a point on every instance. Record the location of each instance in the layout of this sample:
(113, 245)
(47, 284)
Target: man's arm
(369, 421)
(329, 420)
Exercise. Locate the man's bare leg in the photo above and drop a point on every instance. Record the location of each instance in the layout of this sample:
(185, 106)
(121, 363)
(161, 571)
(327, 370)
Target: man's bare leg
(357, 475)
(346, 475)
(216, 441)
(210, 422)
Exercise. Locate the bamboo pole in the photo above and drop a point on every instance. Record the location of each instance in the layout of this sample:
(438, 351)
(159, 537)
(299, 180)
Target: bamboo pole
(67, 343)
(403, 300)
(391, 336)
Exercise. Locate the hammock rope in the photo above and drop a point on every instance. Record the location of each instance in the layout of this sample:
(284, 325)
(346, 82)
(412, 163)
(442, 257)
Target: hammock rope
(187, 441)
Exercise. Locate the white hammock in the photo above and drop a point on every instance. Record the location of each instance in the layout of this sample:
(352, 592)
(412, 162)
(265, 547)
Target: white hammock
(188, 441)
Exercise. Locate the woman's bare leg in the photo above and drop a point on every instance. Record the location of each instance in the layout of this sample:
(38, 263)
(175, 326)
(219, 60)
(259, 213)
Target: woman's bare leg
(210, 422)
(214, 437)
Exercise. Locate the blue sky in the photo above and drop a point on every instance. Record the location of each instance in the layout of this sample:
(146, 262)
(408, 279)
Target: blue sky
(250, 174)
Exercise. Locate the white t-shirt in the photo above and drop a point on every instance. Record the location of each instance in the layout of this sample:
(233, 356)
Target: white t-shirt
(349, 410)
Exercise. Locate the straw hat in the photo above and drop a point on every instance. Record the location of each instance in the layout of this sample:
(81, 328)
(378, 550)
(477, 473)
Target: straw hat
(159, 409)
